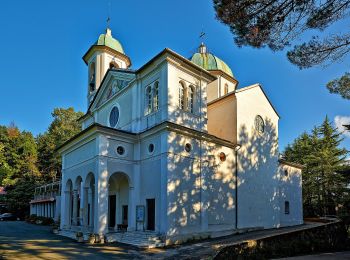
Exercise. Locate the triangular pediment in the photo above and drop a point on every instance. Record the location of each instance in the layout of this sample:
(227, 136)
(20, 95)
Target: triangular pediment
(112, 84)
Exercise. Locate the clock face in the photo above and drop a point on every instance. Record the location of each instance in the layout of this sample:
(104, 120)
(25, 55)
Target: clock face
(259, 124)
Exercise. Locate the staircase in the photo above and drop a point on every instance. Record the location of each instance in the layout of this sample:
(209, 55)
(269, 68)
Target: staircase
(72, 234)
(148, 239)
(68, 233)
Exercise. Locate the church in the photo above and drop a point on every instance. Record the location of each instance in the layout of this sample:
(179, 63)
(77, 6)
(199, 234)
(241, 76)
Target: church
(174, 151)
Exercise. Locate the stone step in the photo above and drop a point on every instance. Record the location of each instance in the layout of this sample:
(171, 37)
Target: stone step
(138, 238)
(68, 234)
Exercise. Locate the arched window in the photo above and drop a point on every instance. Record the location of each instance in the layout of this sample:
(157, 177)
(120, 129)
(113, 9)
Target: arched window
(149, 99)
(156, 96)
(181, 96)
(259, 124)
(92, 76)
(190, 99)
(226, 89)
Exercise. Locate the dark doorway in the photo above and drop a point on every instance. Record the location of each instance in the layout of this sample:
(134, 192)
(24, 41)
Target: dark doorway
(125, 215)
(112, 201)
(88, 220)
(78, 213)
(151, 212)
(71, 209)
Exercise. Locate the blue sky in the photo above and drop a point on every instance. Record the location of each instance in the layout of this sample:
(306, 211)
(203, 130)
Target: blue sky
(42, 44)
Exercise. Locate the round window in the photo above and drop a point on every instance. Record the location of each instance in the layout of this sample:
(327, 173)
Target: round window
(259, 124)
(120, 150)
(151, 148)
(222, 157)
(114, 116)
(188, 147)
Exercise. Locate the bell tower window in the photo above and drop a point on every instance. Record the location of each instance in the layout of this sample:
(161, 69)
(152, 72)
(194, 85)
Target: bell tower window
(92, 77)
(156, 96)
(149, 99)
(190, 99)
(181, 96)
(113, 65)
(226, 89)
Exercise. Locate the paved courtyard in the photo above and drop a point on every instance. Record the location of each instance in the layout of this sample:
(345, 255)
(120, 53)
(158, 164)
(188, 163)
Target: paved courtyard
(20, 240)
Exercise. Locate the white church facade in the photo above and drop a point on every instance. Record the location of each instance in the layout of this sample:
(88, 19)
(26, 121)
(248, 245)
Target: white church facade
(174, 148)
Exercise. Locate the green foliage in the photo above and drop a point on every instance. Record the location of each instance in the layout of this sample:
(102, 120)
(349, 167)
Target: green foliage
(340, 86)
(26, 162)
(278, 23)
(19, 173)
(325, 186)
(34, 219)
(64, 126)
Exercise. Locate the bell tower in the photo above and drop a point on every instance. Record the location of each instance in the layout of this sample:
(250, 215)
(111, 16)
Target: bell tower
(106, 53)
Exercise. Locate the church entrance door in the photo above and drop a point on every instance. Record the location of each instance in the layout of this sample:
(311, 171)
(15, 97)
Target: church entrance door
(125, 215)
(151, 208)
(112, 208)
(118, 201)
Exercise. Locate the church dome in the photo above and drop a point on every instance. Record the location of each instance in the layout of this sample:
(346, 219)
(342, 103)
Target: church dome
(209, 61)
(107, 40)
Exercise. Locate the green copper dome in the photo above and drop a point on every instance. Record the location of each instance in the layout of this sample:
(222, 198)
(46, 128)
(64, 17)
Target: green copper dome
(209, 61)
(109, 41)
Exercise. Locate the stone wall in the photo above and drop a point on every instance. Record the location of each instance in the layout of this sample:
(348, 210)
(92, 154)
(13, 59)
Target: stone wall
(326, 238)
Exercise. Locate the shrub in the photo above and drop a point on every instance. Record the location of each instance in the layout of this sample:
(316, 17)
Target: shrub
(39, 220)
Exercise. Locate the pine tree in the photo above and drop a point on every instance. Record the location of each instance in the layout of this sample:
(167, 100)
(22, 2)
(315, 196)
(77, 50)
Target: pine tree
(324, 184)
(278, 24)
(333, 160)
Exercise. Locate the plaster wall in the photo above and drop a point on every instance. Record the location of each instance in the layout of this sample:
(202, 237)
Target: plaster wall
(133, 118)
(102, 61)
(222, 118)
(223, 81)
(123, 102)
(198, 119)
(147, 119)
(216, 89)
(82, 153)
(257, 161)
(213, 90)
(200, 187)
(152, 171)
(291, 191)
(87, 122)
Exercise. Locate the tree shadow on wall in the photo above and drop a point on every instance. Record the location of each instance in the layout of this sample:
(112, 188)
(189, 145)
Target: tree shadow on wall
(258, 204)
(199, 183)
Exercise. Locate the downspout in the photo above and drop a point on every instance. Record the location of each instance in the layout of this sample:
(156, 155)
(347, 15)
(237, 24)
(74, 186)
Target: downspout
(238, 146)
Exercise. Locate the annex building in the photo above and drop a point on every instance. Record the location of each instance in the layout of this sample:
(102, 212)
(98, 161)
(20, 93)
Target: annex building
(174, 149)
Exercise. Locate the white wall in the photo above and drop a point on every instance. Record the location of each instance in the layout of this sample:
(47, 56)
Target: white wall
(82, 153)
(291, 191)
(198, 119)
(201, 188)
(258, 204)
(216, 89)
